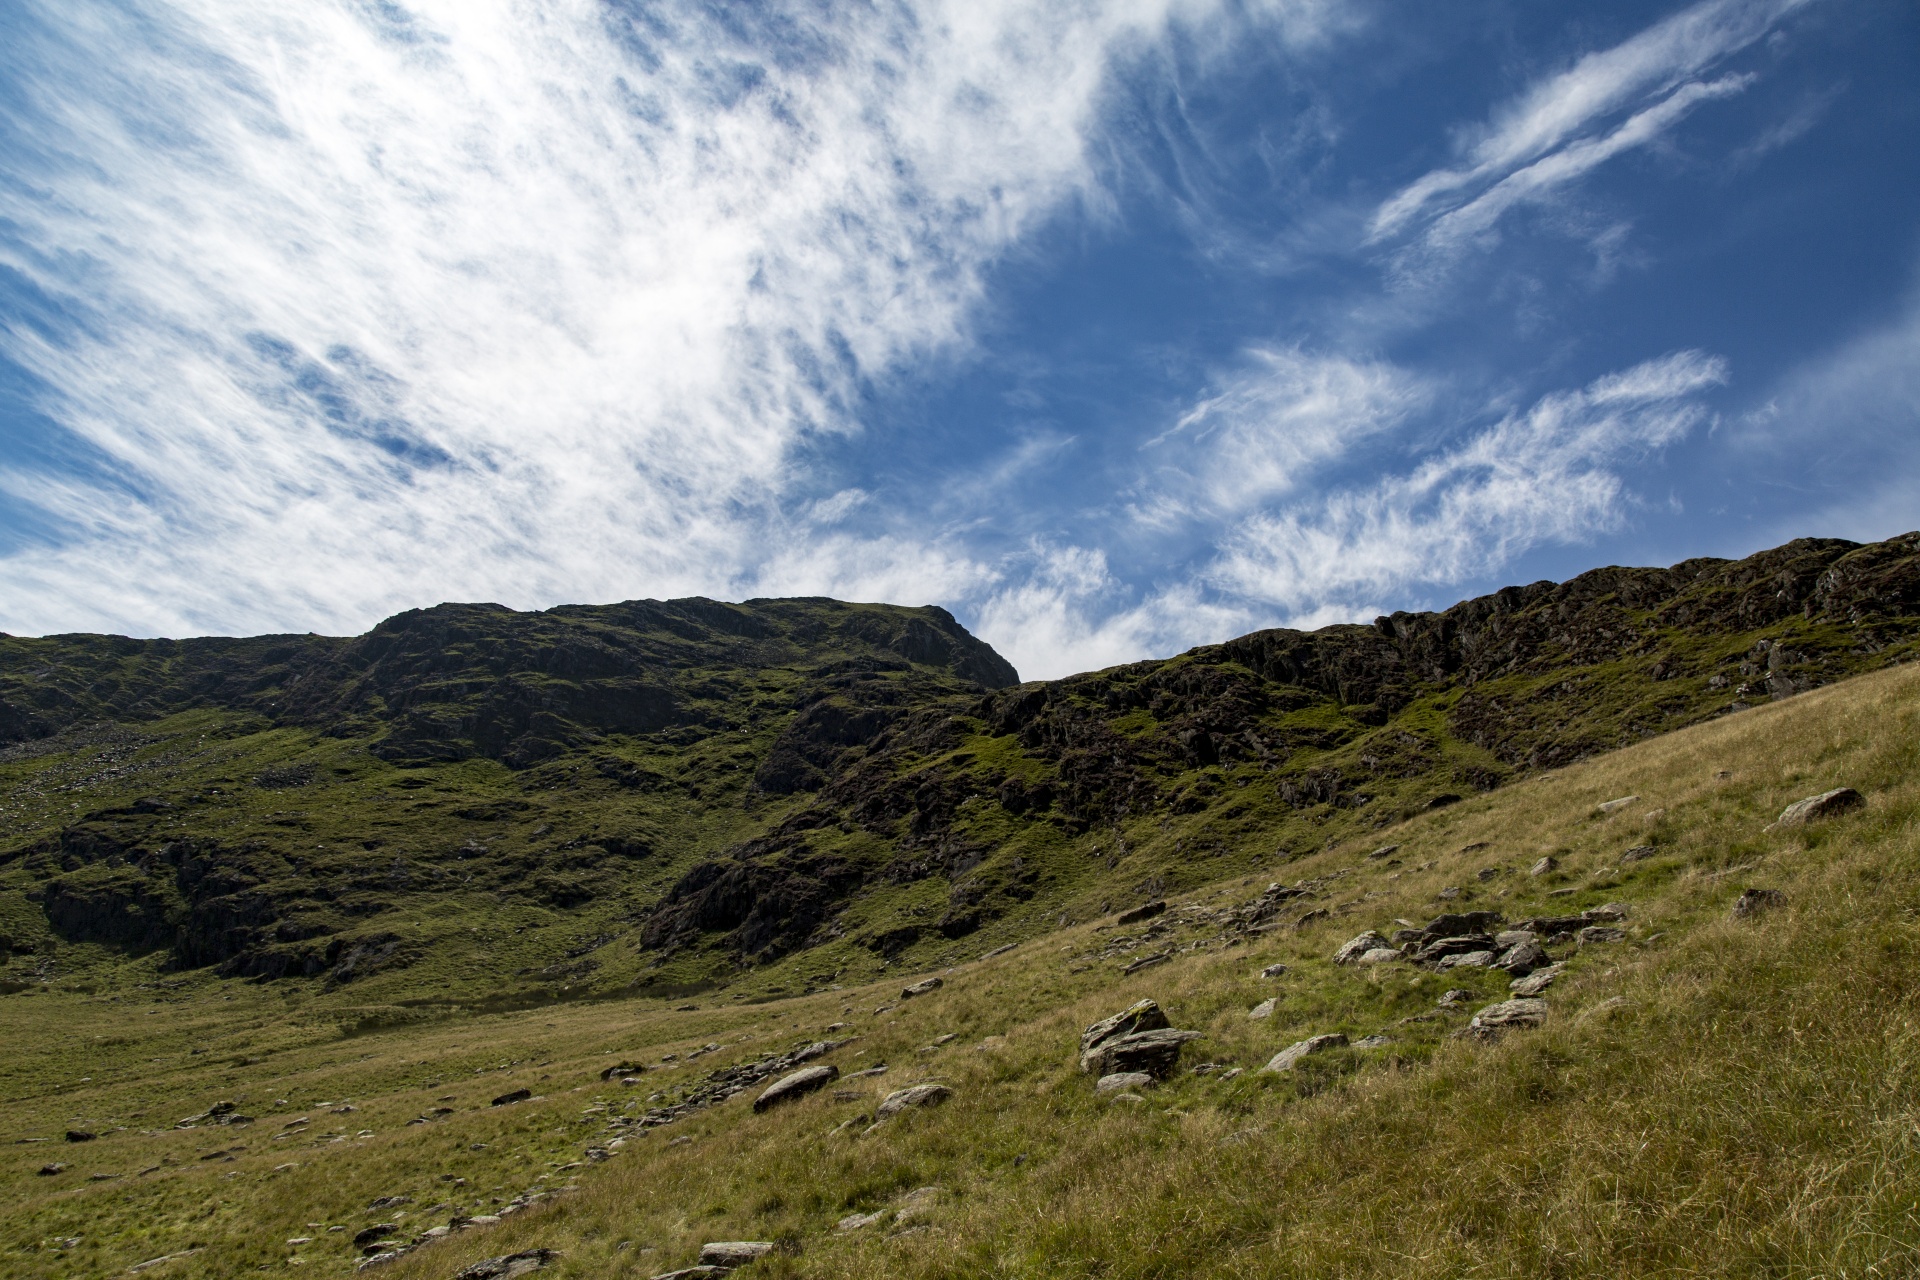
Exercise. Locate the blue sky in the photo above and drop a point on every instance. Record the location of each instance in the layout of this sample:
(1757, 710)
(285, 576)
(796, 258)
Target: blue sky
(1115, 328)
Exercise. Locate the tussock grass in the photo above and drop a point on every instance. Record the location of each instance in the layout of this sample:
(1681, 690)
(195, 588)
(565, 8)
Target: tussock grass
(1710, 1097)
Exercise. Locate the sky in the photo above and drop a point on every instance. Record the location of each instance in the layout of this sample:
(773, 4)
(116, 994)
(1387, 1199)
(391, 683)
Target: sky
(1114, 328)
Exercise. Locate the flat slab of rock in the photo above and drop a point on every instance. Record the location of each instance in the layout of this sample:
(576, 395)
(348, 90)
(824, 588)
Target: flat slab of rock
(1815, 808)
(1263, 1010)
(1615, 806)
(733, 1253)
(1601, 933)
(1287, 1057)
(695, 1273)
(1522, 958)
(1382, 955)
(1466, 960)
(1461, 924)
(1543, 866)
(1524, 1012)
(1123, 1080)
(919, 1095)
(509, 1266)
(921, 988)
(1142, 1015)
(1537, 981)
(798, 1085)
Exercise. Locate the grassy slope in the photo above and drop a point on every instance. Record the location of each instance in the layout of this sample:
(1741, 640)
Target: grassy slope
(1710, 1097)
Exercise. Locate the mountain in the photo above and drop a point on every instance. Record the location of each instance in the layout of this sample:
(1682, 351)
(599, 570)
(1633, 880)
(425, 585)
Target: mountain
(470, 802)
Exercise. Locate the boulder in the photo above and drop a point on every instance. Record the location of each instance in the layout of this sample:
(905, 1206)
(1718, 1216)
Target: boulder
(508, 1266)
(696, 1273)
(1615, 806)
(1639, 853)
(798, 1085)
(1273, 971)
(1607, 914)
(50, 1170)
(1262, 1010)
(1524, 1012)
(1507, 939)
(1522, 958)
(378, 1231)
(1155, 1052)
(80, 1135)
(1537, 981)
(1146, 912)
(1815, 808)
(1373, 1042)
(1351, 952)
(919, 1095)
(1542, 867)
(1465, 960)
(733, 1253)
(1601, 933)
(1440, 948)
(517, 1095)
(1381, 955)
(1142, 1015)
(1123, 1080)
(1755, 901)
(1287, 1057)
(921, 988)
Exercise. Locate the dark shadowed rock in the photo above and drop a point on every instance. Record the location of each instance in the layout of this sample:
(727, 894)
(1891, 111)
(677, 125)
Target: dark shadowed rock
(1146, 912)
(1509, 1014)
(1155, 1052)
(512, 1096)
(1756, 902)
(797, 1085)
(919, 1095)
(924, 987)
(1142, 1015)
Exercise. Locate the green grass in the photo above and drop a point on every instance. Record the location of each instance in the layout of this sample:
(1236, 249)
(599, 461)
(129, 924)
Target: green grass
(1709, 1098)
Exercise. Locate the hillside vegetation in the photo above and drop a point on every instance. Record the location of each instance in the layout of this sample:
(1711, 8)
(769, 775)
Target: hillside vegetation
(474, 808)
(1711, 1091)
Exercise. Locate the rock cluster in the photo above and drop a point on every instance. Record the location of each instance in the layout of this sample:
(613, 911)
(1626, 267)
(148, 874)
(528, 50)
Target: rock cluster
(726, 1082)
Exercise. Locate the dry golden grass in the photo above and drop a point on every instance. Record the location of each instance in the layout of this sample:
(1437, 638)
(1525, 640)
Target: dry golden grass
(1710, 1097)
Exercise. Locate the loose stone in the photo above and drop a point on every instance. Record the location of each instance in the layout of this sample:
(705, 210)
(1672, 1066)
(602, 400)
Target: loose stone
(1287, 1057)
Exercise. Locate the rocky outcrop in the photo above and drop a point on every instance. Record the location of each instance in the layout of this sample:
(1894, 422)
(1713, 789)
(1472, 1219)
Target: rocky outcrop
(1137, 1039)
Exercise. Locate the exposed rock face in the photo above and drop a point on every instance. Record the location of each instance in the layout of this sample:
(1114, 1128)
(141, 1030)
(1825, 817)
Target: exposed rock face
(1816, 808)
(1508, 1014)
(1138, 1039)
(919, 1095)
(1350, 952)
(1287, 1058)
(797, 1085)
(733, 1253)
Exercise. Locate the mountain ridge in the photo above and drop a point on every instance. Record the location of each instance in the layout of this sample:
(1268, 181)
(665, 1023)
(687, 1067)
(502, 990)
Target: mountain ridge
(672, 795)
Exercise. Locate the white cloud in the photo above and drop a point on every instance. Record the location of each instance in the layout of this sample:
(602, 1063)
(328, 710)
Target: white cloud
(1276, 420)
(1542, 476)
(1546, 137)
(382, 304)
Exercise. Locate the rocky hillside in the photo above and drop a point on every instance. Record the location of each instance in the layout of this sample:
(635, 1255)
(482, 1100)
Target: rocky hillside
(665, 796)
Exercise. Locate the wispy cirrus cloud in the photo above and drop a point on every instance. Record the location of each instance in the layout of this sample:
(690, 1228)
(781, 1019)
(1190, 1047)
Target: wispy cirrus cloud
(1550, 474)
(1560, 129)
(357, 306)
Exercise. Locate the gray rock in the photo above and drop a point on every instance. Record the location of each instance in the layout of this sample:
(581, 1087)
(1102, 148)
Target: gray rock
(1524, 1012)
(1273, 971)
(1537, 981)
(1453, 997)
(509, 1266)
(378, 1231)
(859, 1221)
(1639, 853)
(1607, 914)
(1147, 962)
(1384, 851)
(1465, 960)
(1142, 1015)
(1542, 867)
(1135, 916)
(919, 1095)
(1522, 959)
(1262, 1010)
(1123, 1080)
(797, 1085)
(1155, 1052)
(1373, 1042)
(921, 988)
(50, 1170)
(1287, 1057)
(1615, 806)
(1351, 952)
(1507, 939)
(1382, 955)
(1601, 933)
(1460, 924)
(733, 1253)
(1816, 808)
(695, 1273)
(1755, 901)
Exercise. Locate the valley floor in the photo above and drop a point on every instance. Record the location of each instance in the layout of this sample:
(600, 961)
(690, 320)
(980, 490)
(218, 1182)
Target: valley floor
(1709, 1095)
